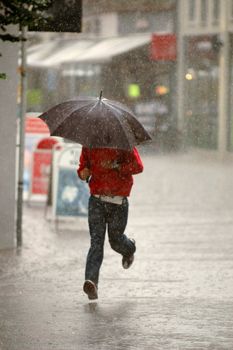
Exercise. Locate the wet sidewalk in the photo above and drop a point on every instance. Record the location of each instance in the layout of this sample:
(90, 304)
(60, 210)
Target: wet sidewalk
(177, 295)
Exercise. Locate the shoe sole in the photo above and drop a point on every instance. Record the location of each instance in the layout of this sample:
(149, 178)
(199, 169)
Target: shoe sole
(126, 265)
(90, 289)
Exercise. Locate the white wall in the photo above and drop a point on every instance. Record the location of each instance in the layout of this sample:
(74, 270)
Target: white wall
(109, 25)
(8, 112)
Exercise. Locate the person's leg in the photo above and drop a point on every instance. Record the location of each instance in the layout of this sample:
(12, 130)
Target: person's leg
(117, 221)
(97, 227)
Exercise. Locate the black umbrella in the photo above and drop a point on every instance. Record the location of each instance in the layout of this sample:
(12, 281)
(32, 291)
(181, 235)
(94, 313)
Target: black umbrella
(96, 123)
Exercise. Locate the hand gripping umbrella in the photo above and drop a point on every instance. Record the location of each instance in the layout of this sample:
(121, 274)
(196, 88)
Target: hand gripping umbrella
(96, 123)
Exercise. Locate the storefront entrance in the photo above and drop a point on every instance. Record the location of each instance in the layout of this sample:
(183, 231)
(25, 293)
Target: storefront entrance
(201, 91)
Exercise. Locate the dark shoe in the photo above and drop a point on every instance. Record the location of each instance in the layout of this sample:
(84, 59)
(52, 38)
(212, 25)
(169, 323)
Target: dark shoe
(90, 289)
(128, 260)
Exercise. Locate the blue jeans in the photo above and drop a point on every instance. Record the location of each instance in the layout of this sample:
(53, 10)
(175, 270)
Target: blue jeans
(102, 215)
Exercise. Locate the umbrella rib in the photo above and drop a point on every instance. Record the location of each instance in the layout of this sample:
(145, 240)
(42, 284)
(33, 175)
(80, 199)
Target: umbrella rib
(121, 107)
(92, 108)
(128, 111)
(120, 121)
(71, 114)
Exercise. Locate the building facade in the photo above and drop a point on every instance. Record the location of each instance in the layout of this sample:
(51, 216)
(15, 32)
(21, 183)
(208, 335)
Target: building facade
(111, 18)
(205, 73)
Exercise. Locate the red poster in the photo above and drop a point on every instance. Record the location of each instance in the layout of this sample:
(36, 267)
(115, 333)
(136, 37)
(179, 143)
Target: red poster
(40, 172)
(163, 47)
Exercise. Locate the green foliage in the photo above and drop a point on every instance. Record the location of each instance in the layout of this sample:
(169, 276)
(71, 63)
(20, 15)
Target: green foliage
(3, 76)
(22, 13)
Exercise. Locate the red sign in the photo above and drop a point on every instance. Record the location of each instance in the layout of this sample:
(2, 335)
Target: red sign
(41, 171)
(163, 47)
(35, 126)
(47, 143)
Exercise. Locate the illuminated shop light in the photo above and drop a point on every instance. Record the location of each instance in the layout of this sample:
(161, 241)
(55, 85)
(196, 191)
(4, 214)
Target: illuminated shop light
(161, 90)
(134, 90)
(188, 76)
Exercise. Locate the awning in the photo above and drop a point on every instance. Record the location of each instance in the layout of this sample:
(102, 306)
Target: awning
(106, 49)
(68, 53)
(36, 54)
(55, 53)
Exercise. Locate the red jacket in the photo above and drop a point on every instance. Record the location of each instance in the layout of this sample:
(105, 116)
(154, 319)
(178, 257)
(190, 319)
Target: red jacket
(108, 181)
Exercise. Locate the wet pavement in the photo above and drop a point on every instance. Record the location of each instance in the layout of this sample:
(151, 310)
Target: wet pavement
(177, 295)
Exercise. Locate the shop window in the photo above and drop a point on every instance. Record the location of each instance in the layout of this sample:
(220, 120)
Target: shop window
(204, 12)
(137, 22)
(192, 10)
(97, 26)
(231, 12)
(92, 25)
(216, 11)
(201, 92)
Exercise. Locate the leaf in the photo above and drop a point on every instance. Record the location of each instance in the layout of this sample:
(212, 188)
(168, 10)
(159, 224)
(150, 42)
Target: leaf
(3, 76)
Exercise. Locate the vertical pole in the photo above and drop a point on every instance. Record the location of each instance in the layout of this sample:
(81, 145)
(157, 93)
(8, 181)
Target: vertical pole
(180, 65)
(223, 94)
(23, 84)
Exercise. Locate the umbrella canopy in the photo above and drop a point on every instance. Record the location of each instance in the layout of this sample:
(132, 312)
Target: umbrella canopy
(96, 123)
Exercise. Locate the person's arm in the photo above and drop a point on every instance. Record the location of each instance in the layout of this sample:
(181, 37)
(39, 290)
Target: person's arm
(132, 164)
(83, 169)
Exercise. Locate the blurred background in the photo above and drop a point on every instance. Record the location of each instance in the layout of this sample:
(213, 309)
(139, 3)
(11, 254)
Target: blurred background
(169, 61)
(162, 58)
(118, 51)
